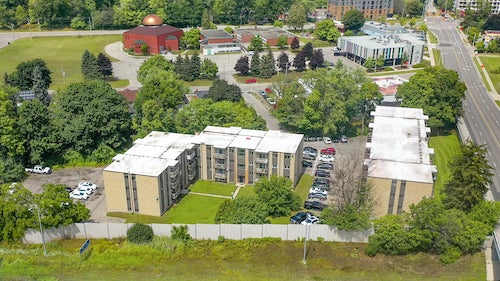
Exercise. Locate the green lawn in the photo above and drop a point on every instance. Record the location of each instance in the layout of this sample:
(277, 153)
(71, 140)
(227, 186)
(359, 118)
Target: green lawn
(483, 76)
(247, 191)
(244, 260)
(119, 83)
(60, 54)
(395, 72)
(292, 75)
(317, 43)
(492, 62)
(437, 57)
(445, 149)
(432, 38)
(200, 82)
(210, 187)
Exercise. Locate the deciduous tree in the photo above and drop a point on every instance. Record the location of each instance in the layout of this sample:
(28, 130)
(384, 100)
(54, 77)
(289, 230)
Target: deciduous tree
(191, 39)
(153, 64)
(22, 77)
(317, 60)
(308, 50)
(353, 20)
(299, 62)
(208, 69)
(295, 45)
(277, 194)
(245, 210)
(242, 66)
(297, 16)
(221, 90)
(326, 30)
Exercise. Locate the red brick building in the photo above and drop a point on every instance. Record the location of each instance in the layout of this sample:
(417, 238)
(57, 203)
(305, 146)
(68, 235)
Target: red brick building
(269, 35)
(157, 36)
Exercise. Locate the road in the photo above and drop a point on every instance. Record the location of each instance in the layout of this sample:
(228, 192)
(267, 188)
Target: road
(481, 114)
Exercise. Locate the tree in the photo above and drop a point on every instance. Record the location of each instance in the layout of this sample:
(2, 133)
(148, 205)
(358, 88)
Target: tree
(299, 62)
(492, 47)
(255, 65)
(183, 68)
(289, 108)
(221, 90)
(283, 62)
(195, 65)
(140, 233)
(369, 63)
(56, 208)
(326, 30)
(404, 59)
(242, 66)
(246, 210)
(39, 87)
(295, 45)
(22, 77)
(105, 66)
(145, 49)
(379, 62)
(206, 20)
(470, 178)
(256, 44)
(414, 7)
(16, 212)
(277, 194)
(267, 65)
(183, 13)
(307, 50)
(90, 66)
(181, 233)
(10, 170)
(391, 237)
(208, 69)
(89, 114)
(152, 65)
(317, 60)
(438, 91)
(492, 23)
(353, 20)
(11, 143)
(191, 39)
(226, 11)
(282, 41)
(297, 16)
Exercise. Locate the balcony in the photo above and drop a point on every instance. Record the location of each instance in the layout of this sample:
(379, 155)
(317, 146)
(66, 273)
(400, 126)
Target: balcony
(220, 176)
(261, 160)
(261, 170)
(173, 172)
(220, 165)
(220, 156)
(191, 177)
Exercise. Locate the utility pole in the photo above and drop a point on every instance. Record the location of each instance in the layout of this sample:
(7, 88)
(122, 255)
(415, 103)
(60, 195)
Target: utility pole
(41, 228)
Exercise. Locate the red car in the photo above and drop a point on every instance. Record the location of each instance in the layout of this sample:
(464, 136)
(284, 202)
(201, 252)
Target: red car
(328, 151)
(248, 81)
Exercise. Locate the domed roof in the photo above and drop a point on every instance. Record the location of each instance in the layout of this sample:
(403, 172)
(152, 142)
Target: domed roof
(152, 20)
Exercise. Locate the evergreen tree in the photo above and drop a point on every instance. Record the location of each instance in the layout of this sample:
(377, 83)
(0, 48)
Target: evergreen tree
(295, 45)
(39, 87)
(242, 66)
(317, 60)
(90, 67)
(255, 65)
(186, 73)
(179, 61)
(299, 62)
(283, 62)
(195, 65)
(208, 69)
(308, 50)
(268, 68)
(105, 66)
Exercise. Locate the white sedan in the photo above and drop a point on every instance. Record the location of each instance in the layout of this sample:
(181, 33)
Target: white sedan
(326, 158)
(87, 185)
(310, 220)
(317, 190)
(77, 194)
(327, 140)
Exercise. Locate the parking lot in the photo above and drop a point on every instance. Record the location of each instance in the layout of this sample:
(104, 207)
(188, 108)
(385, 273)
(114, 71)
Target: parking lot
(354, 148)
(71, 177)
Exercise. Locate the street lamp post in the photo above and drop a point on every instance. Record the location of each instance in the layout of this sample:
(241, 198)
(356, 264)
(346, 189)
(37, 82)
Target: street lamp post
(304, 261)
(41, 228)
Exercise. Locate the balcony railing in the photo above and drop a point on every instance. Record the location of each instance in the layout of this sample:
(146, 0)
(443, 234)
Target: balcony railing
(261, 160)
(261, 170)
(191, 156)
(173, 173)
(220, 156)
(220, 176)
(219, 165)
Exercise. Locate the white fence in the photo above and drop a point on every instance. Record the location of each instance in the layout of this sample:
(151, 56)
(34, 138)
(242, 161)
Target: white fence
(202, 231)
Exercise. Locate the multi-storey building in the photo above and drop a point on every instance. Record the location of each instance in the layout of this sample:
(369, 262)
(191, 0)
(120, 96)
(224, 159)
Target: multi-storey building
(398, 162)
(373, 9)
(463, 5)
(150, 177)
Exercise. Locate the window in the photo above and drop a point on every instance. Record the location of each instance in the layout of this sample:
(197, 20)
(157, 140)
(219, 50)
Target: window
(287, 167)
(402, 190)
(127, 192)
(241, 152)
(134, 192)
(287, 155)
(275, 165)
(391, 196)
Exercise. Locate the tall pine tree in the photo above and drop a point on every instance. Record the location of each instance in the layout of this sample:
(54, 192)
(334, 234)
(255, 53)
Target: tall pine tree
(195, 65)
(255, 65)
(283, 62)
(90, 67)
(105, 66)
(39, 87)
(268, 68)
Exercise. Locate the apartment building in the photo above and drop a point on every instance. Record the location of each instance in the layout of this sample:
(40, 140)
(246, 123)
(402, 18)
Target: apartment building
(151, 176)
(463, 5)
(398, 160)
(374, 9)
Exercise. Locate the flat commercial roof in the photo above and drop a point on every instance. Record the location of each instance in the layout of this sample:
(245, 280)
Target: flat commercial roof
(215, 34)
(266, 32)
(398, 147)
(279, 142)
(377, 42)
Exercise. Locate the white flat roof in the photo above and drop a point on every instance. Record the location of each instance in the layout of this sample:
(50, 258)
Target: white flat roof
(279, 142)
(246, 142)
(399, 148)
(139, 165)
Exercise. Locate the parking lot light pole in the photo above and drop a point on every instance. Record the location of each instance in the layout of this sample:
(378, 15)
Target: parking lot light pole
(41, 229)
(304, 261)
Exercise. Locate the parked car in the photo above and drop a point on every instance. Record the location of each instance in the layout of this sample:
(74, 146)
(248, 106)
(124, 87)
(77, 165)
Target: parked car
(248, 81)
(77, 194)
(309, 157)
(307, 152)
(319, 196)
(327, 140)
(314, 205)
(317, 190)
(38, 169)
(86, 184)
(322, 174)
(311, 149)
(325, 166)
(299, 217)
(343, 139)
(329, 151)
(321, 181)
(307, 164)
(310, 220)
(326, 158)
(86, 190)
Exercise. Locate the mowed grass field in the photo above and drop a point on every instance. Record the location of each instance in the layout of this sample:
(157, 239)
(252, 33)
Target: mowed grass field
(492, 62)
(445, 149)
(62, 54)
(265, 259)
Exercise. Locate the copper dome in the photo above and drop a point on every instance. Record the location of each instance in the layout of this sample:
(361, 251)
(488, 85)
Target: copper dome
(152, 20)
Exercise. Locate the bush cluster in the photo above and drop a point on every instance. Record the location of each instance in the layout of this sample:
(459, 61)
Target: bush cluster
(140, 233)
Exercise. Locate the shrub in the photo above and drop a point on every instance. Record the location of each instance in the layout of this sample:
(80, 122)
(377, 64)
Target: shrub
(181, 233)
(450, 256)
(140, 233)
(221, 239)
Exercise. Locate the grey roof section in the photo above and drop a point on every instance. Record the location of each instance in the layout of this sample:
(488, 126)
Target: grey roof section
(215, 34)
(266, 32)
(378, 42)
(399, 148)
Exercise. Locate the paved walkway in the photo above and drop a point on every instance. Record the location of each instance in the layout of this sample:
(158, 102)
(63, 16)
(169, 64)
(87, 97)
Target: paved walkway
(233, 196)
